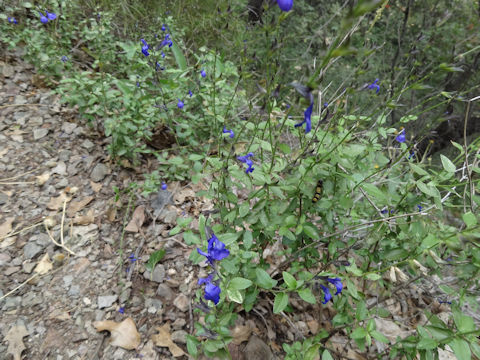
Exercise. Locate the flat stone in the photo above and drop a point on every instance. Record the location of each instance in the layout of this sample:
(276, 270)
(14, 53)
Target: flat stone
(165, 292)
(256, 349)
(155, 303)
(99, 172)
(31, 299)
(39, 133)
(3, 198)
(60, 169)
(179, 336)
(181, 302)
(68, 127)
(12, 302)
(11, 270)
(8, 70)
(4, 259)
(67, 280)
(30, 250)
(28, 266)
(74, 291)
(35, 121)
(87, 144)
(106, 301)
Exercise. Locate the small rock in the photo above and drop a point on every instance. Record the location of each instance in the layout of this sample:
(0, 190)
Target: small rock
(39, 133)
(99, 172)
(60, 169)
(30, 250)
(179, 336)
(35, 121)
(106, 301)
(165, 292)
(67, 280)
(158, 274)
(178, 324)
(3, 198)
(4, 259)
(256, 349)
(170, 217)
(31, 299)
(87, 144)
(74, 291)
(64, 155)
(87, 301)
(28, 266)
(68, 127)
(11, 270)
(181, 302)
(12, 302)
(8, 70)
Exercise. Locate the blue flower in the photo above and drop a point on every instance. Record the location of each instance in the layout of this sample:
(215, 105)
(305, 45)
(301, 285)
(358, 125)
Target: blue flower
(164, 186)
(132, 258)
(412, 154)
(121, 310)
(64, 58)
(163, 54)
(145, 47)
(166, 41)
(12, 20)
(163, 27)
(190, 93)
(203, 73)
(328, 295)
(338, 284)
(215, 251)
(401, 137)
(158, 66)
(51, 16)
(419, 207)
(43, 18)
(307, 119)
(375, 86)
(285, 5)
(206, 280)
(232, 134)
(245, 159)
(180, 104)
(212, 292)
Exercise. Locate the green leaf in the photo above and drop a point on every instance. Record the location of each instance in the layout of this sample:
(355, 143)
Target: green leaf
(379, 336)
(239, 283)
(469, 219)
(179, 57)
(190, 238)
(289, 280)
(358, 333)
(427, 344)
(312, 352)
(464, 322)
(280, 303)
(192, 344)
(326, 355)
(154, 259)
(395, 254)
(307, 295)
(447, 164)
(374, 191)
(311, 231)
(247, 239)
(264, 280)
(373, 276)
(244, 209)
(418, 169)
(461, 349)
(235, 295)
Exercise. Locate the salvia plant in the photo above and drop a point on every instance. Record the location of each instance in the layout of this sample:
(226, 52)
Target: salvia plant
(321, 194)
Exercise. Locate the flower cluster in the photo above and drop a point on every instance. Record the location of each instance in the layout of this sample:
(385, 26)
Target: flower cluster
(245, 159)
(47, 17)
(285, 5)
(145, 47)
(12, 20)
(215, 252)
(401, 137)
(337, 282)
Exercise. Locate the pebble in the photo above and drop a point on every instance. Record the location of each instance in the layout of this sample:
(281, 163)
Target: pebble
(179, 336)
(67, 280)
(28, 266)
(74, 291)
(60, 169)
(158, 274)
(181, 302)
(99, 172)
(39, 133)
(8, 70)
(87, 144)
(68, 127)
(106, 301)
(35, 121)
(165, 292)
(30, 250)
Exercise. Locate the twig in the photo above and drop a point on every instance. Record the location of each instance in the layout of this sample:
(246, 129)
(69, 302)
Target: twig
(62, 243)
(17, 176)
(10, 105)
(19, 231)
(469, 173)
(19, 286)
(17, 183)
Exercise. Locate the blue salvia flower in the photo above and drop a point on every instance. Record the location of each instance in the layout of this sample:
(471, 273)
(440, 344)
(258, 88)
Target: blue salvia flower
(307, 119)
(180, 104)
(132, 258)
(285, 5)
(121, 310)
(375, 86)
(43, 18)
(12, 20)
(401, 137)
(51, 16)
(246, 160)
(419, 207)
(158, 66)
(166, 41)
(412, 154)
(326, 292)
(64, 58)
(163, 27)
(212, 291)
(164, 186)
(145, 47)
(163, 54)
(203, 73)
(338, 284)
(232, 134)
(190, 93)
(215, 251)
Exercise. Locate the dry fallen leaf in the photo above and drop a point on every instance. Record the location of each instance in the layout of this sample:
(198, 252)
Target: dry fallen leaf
(124, 334)
(241, 334)
(76, 206)
(138, 219)
(84, 219)
(15, 341)
(95, 186)
(56, 203)
(44, 265)
(6, 227)
(42, 179)
(180, 196)
(163, 339)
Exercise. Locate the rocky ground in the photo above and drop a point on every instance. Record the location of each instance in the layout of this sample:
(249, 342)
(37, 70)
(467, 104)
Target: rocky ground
(73, 254)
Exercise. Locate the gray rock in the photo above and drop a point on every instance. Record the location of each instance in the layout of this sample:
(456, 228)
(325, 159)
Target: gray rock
(74, 291)
(106, 301)
(68, 127)
(3, 198)
(30, 250)
(179, 336)
(12, 302)
(181, 302)
(158, 274)
(20, 99)
(20, 118)
(165, 292)
(4, 259)
(60, 169)
(99, 172)
(87, 144)
(8, 70)
(31, 299)
(43, 239)
(155, 303)
(170, 217)
(256, 349)
(67, 280)
(39, 133)
(64, 155)
(28, 267)
(35, 121)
